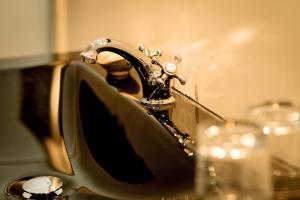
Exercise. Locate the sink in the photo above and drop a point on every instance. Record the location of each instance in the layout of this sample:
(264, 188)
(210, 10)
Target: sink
(126, 148)
(66, 119)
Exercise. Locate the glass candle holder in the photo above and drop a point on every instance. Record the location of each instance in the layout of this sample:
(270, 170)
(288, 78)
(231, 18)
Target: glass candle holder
(232, 163)
(280, 122)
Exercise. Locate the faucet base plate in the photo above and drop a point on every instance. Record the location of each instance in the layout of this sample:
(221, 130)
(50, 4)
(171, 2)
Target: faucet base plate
(158, 104)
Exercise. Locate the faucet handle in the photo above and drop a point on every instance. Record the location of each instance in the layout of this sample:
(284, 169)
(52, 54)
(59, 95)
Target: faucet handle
(177, 59)
(143, 49)
(151, 54)
(156, 53)
(182, 80)
(170, 68)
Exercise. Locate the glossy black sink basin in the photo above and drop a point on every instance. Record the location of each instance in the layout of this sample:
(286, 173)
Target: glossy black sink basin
(61, 118)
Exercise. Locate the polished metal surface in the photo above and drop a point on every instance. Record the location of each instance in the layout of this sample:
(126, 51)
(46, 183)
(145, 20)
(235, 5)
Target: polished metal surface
(42, 187)
(115, 65)
(155, 76)
(39, 187)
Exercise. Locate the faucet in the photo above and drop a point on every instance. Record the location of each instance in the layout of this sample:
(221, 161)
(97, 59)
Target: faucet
(155, 76)
(158, 95)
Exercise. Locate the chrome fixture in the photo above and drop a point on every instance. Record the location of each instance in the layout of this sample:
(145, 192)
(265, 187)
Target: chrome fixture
(39, 187)
(42, 187)
(155, 76)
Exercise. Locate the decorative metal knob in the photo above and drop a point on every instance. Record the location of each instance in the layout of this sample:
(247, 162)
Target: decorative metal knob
(42, 187)
(177, 59)
(151, 54)
(169, 68)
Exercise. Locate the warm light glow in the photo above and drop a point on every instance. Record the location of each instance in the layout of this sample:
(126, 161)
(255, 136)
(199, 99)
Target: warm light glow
(266, 130)
(212, 171)
(218, 152)
(211, 168)
(241, 36)
(295, 116)
(275, 106)
(248, 140)
(200, 44)
(236, 154)
(281, 130)
(212, 131)
(231, 196)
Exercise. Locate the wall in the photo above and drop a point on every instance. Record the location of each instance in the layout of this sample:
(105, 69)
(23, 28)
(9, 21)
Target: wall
(134, 21)
(25, 27)
(236, 53)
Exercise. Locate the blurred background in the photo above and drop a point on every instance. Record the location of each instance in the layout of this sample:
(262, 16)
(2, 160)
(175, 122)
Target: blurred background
(236, 53)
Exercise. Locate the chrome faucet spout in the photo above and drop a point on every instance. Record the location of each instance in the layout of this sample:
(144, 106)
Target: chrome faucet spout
(155, 77)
